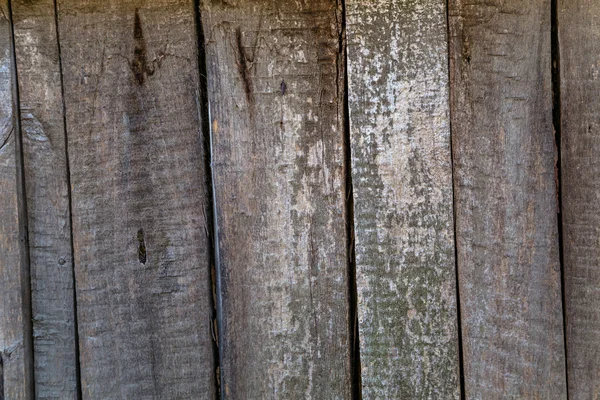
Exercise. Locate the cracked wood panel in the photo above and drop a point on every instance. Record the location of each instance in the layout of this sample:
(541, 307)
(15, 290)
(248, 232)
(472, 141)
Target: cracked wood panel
(402, 177)
(578, 31)
(45, 170)
(16, 377)
(276, 101)
(505, 199)
(139, 198)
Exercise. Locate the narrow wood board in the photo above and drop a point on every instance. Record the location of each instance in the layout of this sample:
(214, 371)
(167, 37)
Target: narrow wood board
(580, 80)
(46, 178)
(16, 378)
(402, 179)
(276, 102)
(506, 199)
(139, 198)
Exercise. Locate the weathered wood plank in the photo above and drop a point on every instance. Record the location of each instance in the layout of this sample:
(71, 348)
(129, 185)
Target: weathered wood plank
(580, 165)
(402, 178)
(15, 317)
(506, 203)
(276, 101)
(46, 178)
(139, 199)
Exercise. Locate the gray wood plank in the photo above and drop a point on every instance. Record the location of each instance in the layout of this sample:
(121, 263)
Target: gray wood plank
(139, 199)
(276, 101)
(580, 164)
(15, 317)
(402, 178)
(45, 170)
(505, 199)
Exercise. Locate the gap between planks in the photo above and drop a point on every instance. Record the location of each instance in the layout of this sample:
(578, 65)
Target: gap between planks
(461, 366)
(69, 194)
(353, 331)
(557, 125)
(214, 273)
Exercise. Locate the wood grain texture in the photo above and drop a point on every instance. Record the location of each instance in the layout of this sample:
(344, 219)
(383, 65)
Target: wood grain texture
(276, 102)
(506, 202)
(46, 178)
(15, 317)
(578, 23)
(136, 154)
(402, 177)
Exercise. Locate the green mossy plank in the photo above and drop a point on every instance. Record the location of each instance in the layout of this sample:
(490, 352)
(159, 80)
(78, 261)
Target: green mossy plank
(402, 179)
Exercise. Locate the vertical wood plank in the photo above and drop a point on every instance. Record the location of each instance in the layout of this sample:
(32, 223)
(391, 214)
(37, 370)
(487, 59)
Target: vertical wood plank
(45, 171)
(15, 319)
(580, 106)
(276, 102)
(402, 178)
(506, 201)
(136, 154)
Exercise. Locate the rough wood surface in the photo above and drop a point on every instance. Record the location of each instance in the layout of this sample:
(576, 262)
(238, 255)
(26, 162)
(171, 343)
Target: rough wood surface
(506, 202)
(15, 319)
(276, 102)
(141, 248)
(45, 168)
(580, 165)
(402, 178)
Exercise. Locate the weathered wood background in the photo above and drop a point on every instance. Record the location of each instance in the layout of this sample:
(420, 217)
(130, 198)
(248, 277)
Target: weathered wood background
(317, 199)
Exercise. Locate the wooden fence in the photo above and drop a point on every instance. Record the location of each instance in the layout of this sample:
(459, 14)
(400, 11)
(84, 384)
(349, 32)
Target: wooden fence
(311, 199)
